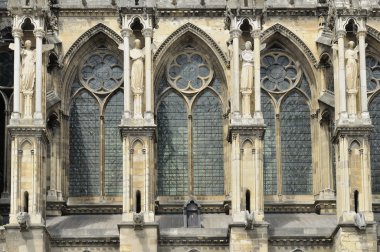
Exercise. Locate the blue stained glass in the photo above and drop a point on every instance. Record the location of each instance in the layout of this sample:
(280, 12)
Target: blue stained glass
(374, 110)
(304, 86)
(6, 69)
(270, 166)
(113, 164)
(172, 145)
(296, 145)
(84, 146)
(208, 145)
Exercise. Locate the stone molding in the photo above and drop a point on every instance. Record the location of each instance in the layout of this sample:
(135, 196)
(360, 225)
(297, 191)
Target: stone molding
(77, 242)
(187, 241)
(301, 241)
(169, 41)
(86, 37)
(266, 34)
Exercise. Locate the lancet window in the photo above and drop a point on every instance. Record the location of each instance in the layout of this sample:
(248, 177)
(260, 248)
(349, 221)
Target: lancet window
(190, 127)
(95, 113)
(287, 141)
(373, 86)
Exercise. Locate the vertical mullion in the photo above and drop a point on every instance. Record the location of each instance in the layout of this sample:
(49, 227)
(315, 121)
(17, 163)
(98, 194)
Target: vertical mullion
(278, 153)
(190, 153)
(101, 154)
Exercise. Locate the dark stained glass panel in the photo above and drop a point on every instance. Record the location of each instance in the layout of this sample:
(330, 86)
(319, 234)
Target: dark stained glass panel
(84, 146)
(270, 166)
(113, 163)
(374, 110)
(208, 145)
(172, 145)
(296, 145)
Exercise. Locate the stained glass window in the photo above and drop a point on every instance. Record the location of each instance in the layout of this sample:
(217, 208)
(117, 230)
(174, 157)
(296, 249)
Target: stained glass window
(374, 110)
(172, 146)
(84, 146)
(207, 145)
(296, 145)
(190, 133)
(113, 163)
(285, 86)
(95, 143)
(270, 167)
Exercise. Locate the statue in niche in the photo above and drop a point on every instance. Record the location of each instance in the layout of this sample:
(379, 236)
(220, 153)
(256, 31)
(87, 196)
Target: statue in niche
(247, 76)
(352, 66)
(137, 77)
(28, 67)
(28, 73)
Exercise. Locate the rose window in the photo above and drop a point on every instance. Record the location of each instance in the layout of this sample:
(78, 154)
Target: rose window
(279, 72)
(101, 73)
(189, 72)
(373, 73)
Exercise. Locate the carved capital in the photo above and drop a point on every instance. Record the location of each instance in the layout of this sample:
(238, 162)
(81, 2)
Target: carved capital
(17, 33)
(256, 33)
(147, 32)
(126, 33)
(341, 34)
(361, 33)
(236, 33)
(39, 33)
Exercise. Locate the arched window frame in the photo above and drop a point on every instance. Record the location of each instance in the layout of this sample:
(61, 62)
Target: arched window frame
(190, 95)
(277, 93)
(86, 81)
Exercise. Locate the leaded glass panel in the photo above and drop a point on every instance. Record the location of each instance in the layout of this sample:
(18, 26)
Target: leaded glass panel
(296, 145)
(84, 146)
(270, 166)
(374, 110)
(113, 163)
(373, 73)
(172, 146)
(6, 69)
(207, 145)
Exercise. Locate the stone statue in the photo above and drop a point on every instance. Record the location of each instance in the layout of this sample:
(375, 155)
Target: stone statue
(351, 56)
(137, 77)
(28, 67)
(247, 76)
(247, 71)
(137, 68)
(352, 67)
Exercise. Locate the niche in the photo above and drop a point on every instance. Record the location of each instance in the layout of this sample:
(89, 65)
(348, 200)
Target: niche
(191, 214)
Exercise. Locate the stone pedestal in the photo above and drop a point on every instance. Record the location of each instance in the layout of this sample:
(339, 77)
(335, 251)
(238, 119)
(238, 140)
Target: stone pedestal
(244, 239)
(138, 238)
(34, 239)
(350, 238)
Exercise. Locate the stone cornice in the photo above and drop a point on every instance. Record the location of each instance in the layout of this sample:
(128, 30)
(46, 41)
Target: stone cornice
(88, 12)
(94, 241)
(252, 130)
(34, 131)
(301, 241)
(187, 241)
(137, 130)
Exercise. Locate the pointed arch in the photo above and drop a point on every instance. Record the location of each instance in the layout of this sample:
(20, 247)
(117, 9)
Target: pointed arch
(278, 28)
(99, 28)
(198, 32)
(374, 33)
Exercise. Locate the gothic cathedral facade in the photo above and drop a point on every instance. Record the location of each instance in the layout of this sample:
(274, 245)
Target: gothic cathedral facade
(189, 126)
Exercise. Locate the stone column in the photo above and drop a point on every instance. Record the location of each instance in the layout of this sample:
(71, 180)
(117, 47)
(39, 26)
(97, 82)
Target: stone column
(38, 33)
(256, 45)
(148, 33)
(342, 76)
(126, 33)
(363, 74)
(235, 101)
(17, 34)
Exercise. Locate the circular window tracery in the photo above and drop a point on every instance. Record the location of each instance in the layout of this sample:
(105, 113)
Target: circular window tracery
(101, 73)
(189, 72)
(279, 73)
(373, 73)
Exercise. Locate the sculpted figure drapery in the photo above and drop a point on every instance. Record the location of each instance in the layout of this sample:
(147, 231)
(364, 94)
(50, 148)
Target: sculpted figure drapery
(247, 71)
(351, 56)
(137, 68)
(28, 67)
